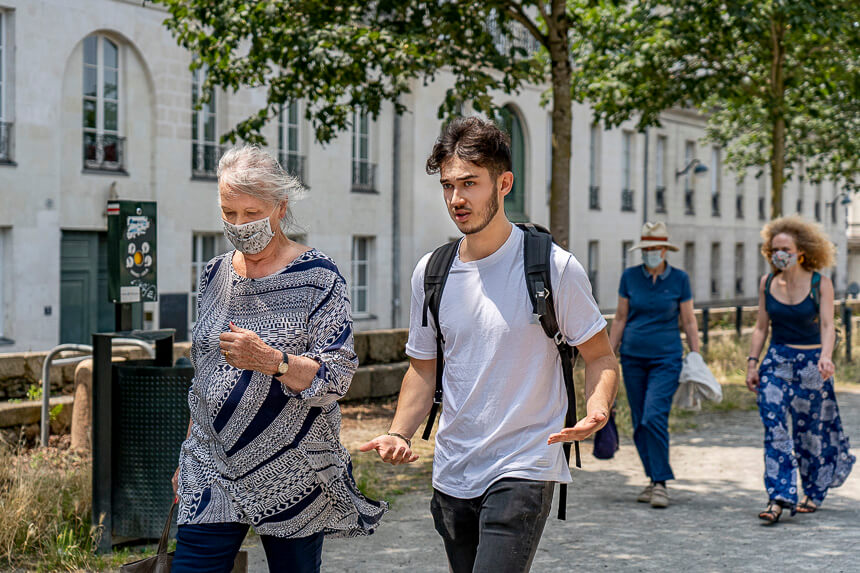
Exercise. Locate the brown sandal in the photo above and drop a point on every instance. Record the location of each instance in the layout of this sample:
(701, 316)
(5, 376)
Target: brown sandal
(806, 506)
(772, 514)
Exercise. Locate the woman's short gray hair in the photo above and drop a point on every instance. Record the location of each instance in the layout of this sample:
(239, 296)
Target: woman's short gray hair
(253, 171)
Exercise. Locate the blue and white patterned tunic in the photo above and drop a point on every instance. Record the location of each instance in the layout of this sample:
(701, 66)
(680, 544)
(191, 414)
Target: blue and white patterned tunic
(259, 453)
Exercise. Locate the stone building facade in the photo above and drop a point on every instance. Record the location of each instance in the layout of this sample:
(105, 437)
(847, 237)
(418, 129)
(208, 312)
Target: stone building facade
(97, 102)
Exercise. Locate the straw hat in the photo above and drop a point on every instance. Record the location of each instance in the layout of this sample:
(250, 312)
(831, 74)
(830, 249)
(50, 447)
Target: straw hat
(654, 235)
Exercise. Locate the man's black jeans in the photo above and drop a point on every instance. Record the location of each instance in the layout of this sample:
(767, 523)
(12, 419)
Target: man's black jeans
(497, 532)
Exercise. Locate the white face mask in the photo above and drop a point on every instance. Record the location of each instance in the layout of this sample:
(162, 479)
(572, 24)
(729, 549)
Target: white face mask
(652, 259)
(250, 238)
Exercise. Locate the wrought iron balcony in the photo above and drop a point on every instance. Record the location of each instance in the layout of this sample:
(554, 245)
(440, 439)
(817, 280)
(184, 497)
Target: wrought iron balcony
(363, 177)
(594, 197)
(627, 200)
(104, 152)
(689, 202)
(6, 155)
(204, 159)
(294, 164)
(715, 204)
(660, 200)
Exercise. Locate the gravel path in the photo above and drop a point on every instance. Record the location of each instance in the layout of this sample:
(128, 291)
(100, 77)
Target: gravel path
(710, 526)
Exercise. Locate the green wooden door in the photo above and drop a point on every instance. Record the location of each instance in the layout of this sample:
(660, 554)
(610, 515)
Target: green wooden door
(84, 306)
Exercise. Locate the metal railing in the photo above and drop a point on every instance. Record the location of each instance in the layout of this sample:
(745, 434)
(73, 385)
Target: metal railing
(6, 142)
(104, 152)
(660, 200)
(363, 177)
(204, 159)
(627, 200)
(49, 361)
(293, 163)
(689, 202)
(594, 197)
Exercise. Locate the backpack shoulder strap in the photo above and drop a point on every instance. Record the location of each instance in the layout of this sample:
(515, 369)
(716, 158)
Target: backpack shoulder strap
(537, 254)
(815, 289)
(435, 277)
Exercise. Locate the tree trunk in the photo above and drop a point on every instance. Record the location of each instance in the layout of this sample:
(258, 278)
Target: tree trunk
(559, 51)
(777, 86)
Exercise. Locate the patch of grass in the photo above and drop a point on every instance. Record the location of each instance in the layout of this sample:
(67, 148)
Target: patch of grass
(45, 513)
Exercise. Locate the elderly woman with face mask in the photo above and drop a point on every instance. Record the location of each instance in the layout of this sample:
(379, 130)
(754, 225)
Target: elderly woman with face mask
(651, 297)
(273, 351)
(796, 375)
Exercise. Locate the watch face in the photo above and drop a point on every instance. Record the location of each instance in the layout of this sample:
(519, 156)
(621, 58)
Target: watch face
(283, 367)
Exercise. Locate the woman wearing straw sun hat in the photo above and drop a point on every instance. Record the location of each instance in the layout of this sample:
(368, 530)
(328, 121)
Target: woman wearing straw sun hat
(651, 297)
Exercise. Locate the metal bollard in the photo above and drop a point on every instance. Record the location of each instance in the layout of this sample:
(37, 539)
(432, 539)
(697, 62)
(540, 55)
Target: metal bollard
(846, 322)
(739, 317)
(706, 318)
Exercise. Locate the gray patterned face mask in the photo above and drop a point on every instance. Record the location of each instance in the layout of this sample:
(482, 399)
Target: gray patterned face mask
(250, 238)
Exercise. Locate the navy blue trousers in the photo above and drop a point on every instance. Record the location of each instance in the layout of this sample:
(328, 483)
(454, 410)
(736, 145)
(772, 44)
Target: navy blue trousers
(651, 384)
(212, 548)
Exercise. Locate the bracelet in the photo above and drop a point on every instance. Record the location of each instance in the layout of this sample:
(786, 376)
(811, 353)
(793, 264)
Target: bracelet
(402, 437)
(752, 358)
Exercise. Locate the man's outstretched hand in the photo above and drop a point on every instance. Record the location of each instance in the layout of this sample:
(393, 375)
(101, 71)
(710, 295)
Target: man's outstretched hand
(584, 428)
(391, 449)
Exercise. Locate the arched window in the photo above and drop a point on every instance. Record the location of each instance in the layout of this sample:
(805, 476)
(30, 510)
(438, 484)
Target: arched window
(103, 146)
(515, 201)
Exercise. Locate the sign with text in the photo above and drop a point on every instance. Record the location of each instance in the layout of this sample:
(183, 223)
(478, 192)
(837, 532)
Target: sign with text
(132, 259)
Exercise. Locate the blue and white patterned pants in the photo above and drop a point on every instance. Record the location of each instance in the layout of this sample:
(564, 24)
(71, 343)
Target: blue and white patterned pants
(790, 383)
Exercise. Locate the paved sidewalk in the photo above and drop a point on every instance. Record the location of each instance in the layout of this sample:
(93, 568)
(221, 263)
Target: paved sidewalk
(710, 526)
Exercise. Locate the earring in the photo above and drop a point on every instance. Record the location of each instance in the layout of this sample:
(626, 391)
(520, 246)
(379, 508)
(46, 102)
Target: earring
(800, 259)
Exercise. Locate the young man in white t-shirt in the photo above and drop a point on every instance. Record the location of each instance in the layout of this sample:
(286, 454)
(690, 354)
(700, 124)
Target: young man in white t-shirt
(499, 443)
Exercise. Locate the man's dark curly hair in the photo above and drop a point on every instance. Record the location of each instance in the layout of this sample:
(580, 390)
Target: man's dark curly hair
(474, 140)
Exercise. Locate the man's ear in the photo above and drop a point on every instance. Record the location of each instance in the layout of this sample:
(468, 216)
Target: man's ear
(505, 182)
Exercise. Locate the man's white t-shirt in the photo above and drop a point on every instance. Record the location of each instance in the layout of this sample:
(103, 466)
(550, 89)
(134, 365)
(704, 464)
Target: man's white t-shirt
(503, 387)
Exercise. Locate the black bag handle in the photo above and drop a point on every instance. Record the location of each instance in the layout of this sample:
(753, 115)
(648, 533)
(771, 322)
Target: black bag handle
(162, 543)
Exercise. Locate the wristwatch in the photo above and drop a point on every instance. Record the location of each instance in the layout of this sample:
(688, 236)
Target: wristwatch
(284, 365)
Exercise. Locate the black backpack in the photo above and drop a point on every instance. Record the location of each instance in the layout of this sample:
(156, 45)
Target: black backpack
(537, 245)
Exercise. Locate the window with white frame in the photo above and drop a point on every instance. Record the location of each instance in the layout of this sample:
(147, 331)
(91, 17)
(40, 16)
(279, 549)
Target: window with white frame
(762, 196)
(2, 282)
(205, 151)
(594, 167)
(690, 261)
(739, 198)
(739, 269)
(360, 285)
(204, 247)
(716, 180)
(660, 172)
(627, 171)
(5, 125)
(715, 269)
(689, 191)
(289, 144)
(801, 192)
(625, 254)
(593, 262)
(363, 169)
(103, 144)
(818, 202)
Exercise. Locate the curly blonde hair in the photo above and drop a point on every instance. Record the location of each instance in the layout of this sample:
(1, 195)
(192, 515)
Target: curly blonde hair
(818, 250)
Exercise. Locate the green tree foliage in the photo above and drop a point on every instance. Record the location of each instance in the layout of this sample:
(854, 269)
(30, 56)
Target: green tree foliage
(777, 79)
(349, 55)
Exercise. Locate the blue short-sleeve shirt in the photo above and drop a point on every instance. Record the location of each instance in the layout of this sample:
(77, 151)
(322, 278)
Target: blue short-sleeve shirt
(652, 321)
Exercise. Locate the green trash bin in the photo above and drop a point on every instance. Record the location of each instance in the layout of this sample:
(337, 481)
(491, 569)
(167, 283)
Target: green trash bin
(140, 419)
(150, 420)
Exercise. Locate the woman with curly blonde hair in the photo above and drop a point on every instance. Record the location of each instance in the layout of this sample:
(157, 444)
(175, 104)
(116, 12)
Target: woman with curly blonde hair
(796, 375)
